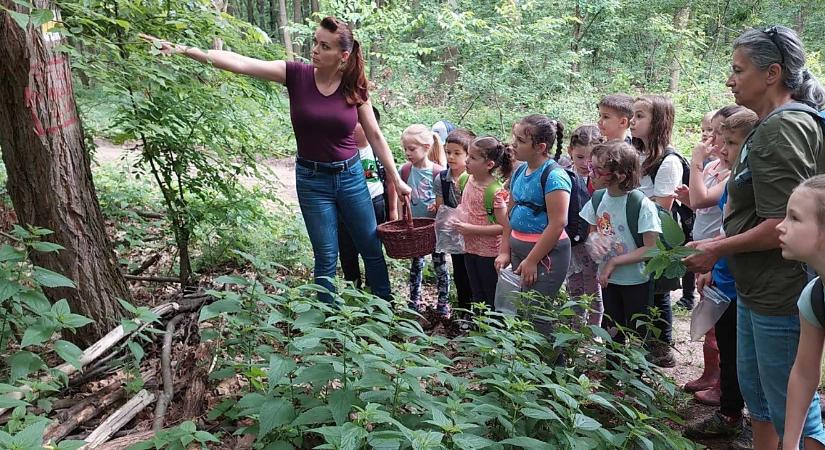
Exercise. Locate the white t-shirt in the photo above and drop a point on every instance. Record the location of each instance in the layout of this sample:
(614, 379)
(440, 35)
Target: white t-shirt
(374, 183)
(709, 220)
(667, 179)
(611, 222)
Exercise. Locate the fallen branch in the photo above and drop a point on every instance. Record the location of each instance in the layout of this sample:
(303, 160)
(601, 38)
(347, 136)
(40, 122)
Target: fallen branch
(152, 279)
(166, 372)
(146, 264)
(127, 441)
(94, 351)
(118, 419)
(87, 409)
(149, 214)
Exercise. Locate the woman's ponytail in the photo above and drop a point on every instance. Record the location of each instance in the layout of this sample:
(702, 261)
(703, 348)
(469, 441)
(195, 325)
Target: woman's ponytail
(559, 139)
(506, 160)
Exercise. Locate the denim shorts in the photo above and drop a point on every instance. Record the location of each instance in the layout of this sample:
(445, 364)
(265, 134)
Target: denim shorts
(766, 349)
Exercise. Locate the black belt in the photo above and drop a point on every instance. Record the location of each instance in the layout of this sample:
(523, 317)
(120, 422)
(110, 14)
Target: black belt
(329, 167)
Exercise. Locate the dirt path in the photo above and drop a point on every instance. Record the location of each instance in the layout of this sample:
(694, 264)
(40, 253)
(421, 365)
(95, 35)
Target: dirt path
(282, 170)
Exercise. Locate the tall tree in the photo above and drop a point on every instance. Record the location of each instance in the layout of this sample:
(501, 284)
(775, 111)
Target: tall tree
(250, 12)
(282, 23)
(49, 175)
(298, 18)
(680, 21)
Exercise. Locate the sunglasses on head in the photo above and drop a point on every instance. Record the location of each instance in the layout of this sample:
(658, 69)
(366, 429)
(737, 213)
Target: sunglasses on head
(772, 33)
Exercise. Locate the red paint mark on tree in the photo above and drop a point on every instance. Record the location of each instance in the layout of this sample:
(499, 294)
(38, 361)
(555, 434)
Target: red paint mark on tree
(50, 97)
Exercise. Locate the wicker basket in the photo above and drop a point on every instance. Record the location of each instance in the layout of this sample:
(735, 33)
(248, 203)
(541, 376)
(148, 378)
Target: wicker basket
(408, 237)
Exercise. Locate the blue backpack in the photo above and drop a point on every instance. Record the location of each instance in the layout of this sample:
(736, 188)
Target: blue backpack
(577, 228)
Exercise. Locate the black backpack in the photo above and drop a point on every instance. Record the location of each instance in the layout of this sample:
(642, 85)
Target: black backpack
(818, 301)
(680, 212)
(576, 228)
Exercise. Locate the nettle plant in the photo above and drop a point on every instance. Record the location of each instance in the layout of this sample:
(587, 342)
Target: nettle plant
(363, 373)
(666, 259)
(32, 333)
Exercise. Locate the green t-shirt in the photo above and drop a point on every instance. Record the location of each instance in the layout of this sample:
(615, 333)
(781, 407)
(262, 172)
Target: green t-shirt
(782, 152)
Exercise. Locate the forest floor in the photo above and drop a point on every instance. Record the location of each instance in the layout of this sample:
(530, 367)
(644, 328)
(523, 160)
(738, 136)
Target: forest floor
(688, 353)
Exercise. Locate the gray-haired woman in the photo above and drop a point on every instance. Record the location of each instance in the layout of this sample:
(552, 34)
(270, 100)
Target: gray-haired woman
(769, 77)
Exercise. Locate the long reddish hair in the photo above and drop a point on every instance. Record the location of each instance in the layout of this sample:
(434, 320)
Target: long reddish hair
(353, 80)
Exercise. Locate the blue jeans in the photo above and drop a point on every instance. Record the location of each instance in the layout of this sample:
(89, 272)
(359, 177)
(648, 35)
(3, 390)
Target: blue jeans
(766, 349)
(324, 197)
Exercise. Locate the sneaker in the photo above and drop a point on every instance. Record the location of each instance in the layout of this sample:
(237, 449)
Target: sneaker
(685, 302)
(444, 311)
(717, 426)
(662, 355)
(745, 439)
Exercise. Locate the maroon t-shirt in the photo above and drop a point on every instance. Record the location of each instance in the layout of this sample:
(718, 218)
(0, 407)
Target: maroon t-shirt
(323, 125)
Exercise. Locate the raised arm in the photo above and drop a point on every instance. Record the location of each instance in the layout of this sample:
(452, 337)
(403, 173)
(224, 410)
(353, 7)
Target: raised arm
(229, 61)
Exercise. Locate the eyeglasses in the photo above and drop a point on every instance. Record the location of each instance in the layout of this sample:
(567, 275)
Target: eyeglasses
(772, 32)
(597, 171)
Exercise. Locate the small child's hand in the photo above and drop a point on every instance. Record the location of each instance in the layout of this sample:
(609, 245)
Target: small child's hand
(605, 271)
(502, 261)
(432, 208)
(528, 272)
(683, 194)
(461, 227)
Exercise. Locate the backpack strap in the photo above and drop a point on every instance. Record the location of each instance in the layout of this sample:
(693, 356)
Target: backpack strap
(406, 168)
(437, 169)
(462, 181)
(633, 210)
(596, 200)
(818, 301)
(489, 200)
(668, 151)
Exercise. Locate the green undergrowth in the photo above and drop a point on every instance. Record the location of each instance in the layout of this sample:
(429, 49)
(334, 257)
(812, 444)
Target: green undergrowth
(363, 373)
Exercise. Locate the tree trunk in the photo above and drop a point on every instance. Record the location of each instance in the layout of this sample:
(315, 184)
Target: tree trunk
(273, 22)
(282, 22)
(680, 21)
(298, 18)
(220, 7)
(262, 14)
(799, 23)
(316, 8)
(49, 175)
(250, 12)
(574, 42)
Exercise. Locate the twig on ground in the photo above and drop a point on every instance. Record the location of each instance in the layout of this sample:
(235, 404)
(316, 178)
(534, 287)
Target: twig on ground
(166, 372)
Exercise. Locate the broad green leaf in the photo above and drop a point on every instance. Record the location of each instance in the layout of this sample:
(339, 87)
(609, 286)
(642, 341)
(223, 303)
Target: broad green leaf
(275, 412)
(352, 436)
(586, 423)
(31, 437)
(340, 404)
(279, 366)
(467, 441)
(23, 363)
(61, 308)
(232, 279)
(41, 246)
(316, 415)
(213, 310)
(9, 253)
(74, 320)
(8, 402)
(9, 288)
(527, 442)
(541, 414)
(37, 333)
(68, 352)
(51, 279)
(672, 231)
(70, 444)
(21, 19)
(34, 300)
(137, 350)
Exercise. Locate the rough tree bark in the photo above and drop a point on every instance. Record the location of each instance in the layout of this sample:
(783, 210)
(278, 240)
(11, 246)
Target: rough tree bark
(250, 12)
(49, 175)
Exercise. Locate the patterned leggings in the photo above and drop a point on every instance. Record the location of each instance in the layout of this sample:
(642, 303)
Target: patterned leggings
(585, 281)
(442, 276)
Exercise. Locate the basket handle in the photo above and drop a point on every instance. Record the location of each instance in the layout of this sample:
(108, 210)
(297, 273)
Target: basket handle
(406, 211)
